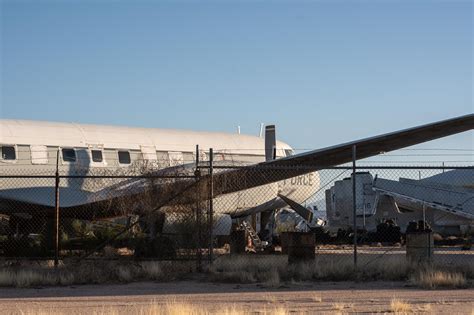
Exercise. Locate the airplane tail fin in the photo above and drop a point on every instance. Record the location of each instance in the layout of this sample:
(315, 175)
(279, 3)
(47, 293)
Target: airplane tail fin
(270, 143)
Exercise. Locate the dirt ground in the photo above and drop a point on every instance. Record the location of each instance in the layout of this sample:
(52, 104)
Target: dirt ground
(314, 297)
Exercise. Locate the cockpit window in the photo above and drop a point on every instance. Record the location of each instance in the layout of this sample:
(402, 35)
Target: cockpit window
(8, 152)
(289, 152)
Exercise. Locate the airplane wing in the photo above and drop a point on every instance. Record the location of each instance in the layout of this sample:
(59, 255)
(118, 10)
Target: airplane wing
(284, 168)
(245, 177)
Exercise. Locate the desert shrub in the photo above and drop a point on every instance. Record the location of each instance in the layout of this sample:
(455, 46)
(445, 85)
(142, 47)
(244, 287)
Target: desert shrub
(433, 279)
(399, 306)
(245, 268)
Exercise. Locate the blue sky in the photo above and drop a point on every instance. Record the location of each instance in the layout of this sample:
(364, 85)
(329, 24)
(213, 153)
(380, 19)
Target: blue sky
(323, 71)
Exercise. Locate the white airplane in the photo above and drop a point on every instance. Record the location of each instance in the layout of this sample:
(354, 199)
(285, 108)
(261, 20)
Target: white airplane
(268, 167)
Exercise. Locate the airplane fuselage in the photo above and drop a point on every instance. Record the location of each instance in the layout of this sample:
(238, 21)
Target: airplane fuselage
(35, 148)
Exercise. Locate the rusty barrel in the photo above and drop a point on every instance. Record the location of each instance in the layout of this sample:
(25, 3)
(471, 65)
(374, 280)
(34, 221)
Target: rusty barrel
(300, 246)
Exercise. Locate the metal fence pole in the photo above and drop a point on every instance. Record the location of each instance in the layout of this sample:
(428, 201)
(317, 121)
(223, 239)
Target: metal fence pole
(211, 203)
(56, 217)
(197, 174)
(354, 205)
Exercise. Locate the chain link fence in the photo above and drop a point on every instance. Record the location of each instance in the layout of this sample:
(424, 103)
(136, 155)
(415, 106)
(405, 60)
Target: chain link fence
(195, 213)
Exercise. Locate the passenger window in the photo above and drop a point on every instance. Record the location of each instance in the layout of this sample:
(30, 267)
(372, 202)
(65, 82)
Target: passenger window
(8, 152)
(97, 156)
(124, 157)
(69, 155)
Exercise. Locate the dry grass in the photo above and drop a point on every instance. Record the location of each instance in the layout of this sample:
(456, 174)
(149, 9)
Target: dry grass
(249, 269)
(317, 298)
(338, 306)
(270, 270)
(152, 269)
(170, 308)
(426, 308)
(272, 278)
(442, 302)
(433, 279)
(32, 277)
(85, 273)
(271, 299)
(124, 274)
(342, 307)
(398, 306)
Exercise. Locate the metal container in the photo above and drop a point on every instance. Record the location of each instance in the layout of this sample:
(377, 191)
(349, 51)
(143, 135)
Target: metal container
(238, 242)
(420, 247)
(284, 242)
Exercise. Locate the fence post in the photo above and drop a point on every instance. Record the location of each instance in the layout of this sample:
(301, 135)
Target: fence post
(354, 205)
(56, 217)
(211, 203)
(197, 174)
